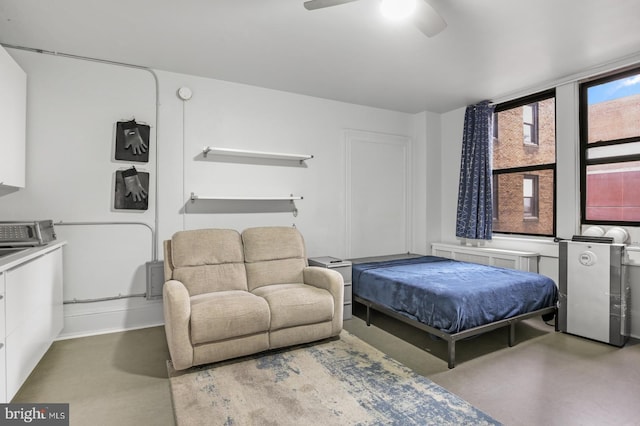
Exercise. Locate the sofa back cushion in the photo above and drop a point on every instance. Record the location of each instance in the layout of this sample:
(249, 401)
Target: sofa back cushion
(208, 260)
(273, 255)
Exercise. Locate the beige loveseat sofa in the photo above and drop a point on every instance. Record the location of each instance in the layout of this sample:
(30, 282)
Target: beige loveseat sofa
(229, 294)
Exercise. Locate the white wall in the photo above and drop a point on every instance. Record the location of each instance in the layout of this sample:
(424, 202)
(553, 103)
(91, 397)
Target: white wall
(451, 149)
(73, 106)
(230, 115)
(428, 167)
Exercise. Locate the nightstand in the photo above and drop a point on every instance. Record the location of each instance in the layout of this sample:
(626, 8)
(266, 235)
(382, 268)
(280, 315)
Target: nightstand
(344, 268)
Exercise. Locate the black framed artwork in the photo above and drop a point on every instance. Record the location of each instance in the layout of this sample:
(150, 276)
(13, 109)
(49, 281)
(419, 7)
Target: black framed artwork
(132, 141)
(131, 190)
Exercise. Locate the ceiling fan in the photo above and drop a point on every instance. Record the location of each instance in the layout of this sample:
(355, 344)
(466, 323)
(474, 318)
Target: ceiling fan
(425, 17)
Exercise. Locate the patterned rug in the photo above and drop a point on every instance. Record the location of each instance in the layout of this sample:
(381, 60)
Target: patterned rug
(334, 382)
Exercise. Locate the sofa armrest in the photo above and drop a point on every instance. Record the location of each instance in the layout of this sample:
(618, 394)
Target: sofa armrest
(177, 315)
(333, 282)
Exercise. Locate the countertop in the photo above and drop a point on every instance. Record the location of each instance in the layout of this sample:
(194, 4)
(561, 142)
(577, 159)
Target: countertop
(16, 259)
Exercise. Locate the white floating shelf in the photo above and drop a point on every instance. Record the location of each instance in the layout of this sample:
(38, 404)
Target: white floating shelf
(194, 197)
(255, 154)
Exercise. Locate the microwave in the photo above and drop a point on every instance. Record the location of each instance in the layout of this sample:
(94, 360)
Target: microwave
(26, 234)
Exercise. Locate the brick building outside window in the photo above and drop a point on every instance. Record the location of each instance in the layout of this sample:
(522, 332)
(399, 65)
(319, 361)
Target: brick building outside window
(610, 136)
(524, 156)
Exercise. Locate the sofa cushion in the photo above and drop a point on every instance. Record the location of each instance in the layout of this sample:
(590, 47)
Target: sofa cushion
(227, 314)
(281, 271)
(206, 247)
(273, 255)
(296, 304)
(271, 243)
(211, 278)
(207, 260)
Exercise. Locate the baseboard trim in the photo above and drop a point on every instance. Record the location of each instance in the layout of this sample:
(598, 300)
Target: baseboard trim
(110, 319)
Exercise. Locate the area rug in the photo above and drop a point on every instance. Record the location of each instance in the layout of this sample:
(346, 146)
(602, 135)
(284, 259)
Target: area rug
(335, 382)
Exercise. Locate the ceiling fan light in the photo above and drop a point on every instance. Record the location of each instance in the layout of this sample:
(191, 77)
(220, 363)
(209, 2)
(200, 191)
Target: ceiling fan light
(397, 9)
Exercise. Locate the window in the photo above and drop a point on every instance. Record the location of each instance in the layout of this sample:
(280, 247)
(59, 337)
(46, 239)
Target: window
(530, 124)
(524, 178)
(530, 196)
(610, 149)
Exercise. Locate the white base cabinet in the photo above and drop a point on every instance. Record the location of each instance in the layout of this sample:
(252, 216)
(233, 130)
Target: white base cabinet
(3, 347)
(34, 315)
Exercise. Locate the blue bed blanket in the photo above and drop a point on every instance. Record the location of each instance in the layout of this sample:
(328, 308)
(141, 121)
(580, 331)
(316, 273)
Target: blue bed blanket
(451, 295)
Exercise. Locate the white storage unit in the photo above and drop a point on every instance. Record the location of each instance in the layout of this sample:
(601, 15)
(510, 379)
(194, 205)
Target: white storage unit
(594, 292)
(512, 259)
(13, 110)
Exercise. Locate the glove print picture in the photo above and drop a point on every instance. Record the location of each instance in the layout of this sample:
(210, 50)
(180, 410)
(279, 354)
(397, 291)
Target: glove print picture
(132, 141)
(132, 185)
(131, 190)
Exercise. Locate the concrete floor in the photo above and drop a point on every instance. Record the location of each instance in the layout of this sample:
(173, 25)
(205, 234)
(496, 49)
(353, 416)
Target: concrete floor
(110, 379)
(547, 378)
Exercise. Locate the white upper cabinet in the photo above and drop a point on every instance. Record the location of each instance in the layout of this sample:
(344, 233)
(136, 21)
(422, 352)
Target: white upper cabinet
(13, 119)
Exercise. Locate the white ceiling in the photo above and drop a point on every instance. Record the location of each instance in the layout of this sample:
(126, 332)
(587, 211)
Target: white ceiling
(491, 48)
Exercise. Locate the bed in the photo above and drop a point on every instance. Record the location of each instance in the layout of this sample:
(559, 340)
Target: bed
(451, 299)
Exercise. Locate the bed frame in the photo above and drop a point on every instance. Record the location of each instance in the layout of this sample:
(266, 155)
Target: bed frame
(451, 339)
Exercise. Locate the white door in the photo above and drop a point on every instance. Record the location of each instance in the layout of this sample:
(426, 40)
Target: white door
(378, 188)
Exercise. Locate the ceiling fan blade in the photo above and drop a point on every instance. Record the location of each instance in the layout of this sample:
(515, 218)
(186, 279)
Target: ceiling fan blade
(319, 4)
(428, 21)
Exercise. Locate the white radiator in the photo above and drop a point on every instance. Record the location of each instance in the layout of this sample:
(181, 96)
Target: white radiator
(512, 259)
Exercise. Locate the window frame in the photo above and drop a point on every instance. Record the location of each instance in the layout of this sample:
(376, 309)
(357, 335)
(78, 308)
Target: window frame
(583, 115)
(525, 100)
(494, 197)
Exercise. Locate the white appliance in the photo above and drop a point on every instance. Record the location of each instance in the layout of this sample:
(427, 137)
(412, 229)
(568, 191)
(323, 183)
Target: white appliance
(594, 292)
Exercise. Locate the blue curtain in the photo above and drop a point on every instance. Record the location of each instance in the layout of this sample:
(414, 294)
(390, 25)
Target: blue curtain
(475, 210)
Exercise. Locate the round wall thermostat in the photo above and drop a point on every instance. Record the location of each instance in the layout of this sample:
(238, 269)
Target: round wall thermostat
(185, 93)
